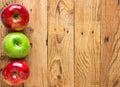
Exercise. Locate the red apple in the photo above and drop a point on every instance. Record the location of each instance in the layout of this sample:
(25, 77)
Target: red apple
(15, 72)
(15, 17)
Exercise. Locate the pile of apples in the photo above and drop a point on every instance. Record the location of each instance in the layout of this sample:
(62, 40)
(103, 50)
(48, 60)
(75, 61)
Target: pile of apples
(16, 45)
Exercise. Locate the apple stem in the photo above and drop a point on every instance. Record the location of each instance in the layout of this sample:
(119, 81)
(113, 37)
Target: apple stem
(16, 16)
(15, 73)
(18, 43)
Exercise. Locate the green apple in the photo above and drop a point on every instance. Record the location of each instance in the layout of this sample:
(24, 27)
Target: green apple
(16, 45)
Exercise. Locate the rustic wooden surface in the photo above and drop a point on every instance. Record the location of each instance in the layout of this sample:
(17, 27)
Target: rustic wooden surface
(60, 43)
(74, 43)
(87, 43)
(110, 43)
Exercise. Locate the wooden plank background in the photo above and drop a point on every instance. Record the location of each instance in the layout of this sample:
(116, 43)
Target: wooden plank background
(74, 43)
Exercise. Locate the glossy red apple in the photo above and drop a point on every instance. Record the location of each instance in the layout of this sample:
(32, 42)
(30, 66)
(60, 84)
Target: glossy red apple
(15, 17)
(15, 72)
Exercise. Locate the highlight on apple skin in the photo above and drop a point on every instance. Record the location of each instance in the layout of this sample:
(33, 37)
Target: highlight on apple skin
(15, 17)
(15, 72)
(16, 45)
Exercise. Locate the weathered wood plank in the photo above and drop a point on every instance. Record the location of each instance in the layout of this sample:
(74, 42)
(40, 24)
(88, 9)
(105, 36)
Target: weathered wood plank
(110, 43)
(37, 33)
(87, 43)
(60, 43)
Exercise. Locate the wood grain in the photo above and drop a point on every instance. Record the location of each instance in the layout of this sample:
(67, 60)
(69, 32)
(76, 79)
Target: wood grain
(37, 33)
(110, 43)
(87, 43)
(60, 43)
(74, 43)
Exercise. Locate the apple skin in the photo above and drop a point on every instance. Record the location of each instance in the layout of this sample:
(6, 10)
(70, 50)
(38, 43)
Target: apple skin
(15, 17)
(16, 45)
(16, 72)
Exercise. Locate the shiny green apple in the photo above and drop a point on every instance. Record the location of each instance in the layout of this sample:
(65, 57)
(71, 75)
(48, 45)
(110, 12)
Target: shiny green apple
(16, 45)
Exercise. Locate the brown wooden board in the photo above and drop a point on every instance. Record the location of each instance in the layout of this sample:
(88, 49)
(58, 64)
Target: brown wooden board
(74, 43)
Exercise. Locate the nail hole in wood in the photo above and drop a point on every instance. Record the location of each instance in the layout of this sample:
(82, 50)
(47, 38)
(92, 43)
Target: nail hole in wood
(64, 29)
(81, 33)
(106, 39)
(92, 32)
(67, 31)
(30, 9)
(31, 45)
